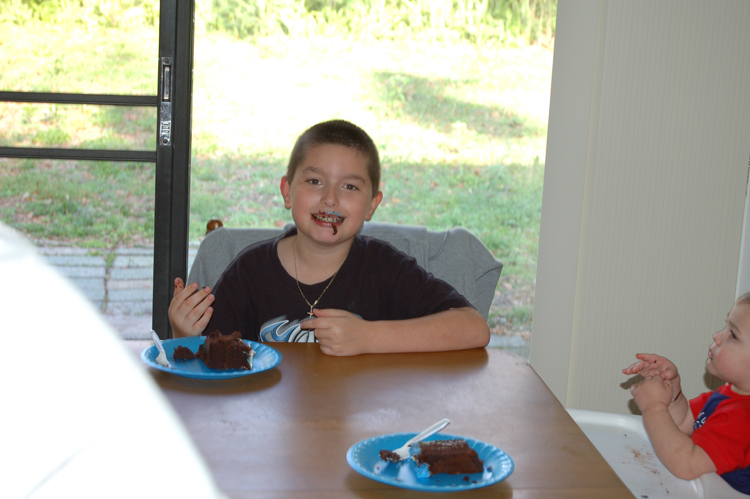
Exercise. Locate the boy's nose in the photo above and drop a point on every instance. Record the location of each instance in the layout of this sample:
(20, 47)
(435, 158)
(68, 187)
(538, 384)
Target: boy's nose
(329, 197)
(717, 336)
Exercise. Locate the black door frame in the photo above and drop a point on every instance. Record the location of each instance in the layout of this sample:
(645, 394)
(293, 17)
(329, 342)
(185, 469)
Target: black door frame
(172, 155)
(173, 150)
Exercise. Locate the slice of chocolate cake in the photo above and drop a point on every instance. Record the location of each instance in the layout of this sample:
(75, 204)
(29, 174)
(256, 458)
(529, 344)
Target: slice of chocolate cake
(453, 457)
(226, 351)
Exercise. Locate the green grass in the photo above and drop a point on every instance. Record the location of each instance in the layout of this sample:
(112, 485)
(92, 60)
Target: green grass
(96, 204)
(461, 130)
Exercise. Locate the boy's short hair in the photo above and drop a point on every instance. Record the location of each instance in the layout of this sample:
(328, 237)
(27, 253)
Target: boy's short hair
(339, 132)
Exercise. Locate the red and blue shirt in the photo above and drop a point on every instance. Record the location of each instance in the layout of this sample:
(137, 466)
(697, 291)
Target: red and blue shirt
(722, 430)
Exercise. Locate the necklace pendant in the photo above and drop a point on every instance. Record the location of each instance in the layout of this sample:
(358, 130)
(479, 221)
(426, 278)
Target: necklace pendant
(312, 305)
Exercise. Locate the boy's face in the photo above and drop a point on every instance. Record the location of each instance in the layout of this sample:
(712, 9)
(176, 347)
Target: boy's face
(729, 354)
(330, 194)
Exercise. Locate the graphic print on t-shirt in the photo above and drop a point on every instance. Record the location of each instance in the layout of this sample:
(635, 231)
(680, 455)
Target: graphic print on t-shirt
(282, 329)
(708, 408)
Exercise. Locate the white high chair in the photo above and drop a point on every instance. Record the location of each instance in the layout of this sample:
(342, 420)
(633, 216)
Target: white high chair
(623, 442)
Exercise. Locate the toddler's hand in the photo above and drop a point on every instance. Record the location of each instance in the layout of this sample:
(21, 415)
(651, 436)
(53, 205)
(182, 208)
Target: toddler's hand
(652, 365)
(339, 332)
(189, 311)
(651, 393)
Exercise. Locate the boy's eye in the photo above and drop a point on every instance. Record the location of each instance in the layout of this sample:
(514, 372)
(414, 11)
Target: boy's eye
(313, 181)
(350, 187)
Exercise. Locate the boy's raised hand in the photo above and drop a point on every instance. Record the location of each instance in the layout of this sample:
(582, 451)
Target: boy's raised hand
(337, 331)
(190, 309)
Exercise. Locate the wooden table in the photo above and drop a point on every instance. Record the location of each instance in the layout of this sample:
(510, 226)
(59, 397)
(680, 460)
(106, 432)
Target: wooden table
(284, 433)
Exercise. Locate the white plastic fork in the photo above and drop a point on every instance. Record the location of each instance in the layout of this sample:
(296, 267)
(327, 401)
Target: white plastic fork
(403, 451)
(161, 359)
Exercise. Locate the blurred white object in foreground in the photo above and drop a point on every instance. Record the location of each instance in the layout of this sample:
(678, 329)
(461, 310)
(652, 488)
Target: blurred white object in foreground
(81, 418)
(623, 442)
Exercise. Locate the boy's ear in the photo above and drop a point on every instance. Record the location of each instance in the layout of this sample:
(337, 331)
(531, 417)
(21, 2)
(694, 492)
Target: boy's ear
(374, 205)
(285, 193)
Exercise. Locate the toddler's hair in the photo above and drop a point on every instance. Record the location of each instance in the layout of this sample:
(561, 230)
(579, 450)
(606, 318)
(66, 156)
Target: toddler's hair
(342, 133)
(744, 299)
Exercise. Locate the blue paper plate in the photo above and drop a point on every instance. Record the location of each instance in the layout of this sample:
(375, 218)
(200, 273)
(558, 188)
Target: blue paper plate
(364, 457)
(265, 358)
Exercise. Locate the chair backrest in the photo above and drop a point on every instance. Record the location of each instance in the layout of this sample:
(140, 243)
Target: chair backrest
(455, 255)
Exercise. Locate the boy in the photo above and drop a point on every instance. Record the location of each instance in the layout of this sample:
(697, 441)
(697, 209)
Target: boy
(711, 433)
(321, 281)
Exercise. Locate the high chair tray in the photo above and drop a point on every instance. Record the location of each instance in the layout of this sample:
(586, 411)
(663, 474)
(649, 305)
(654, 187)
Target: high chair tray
(623, 442)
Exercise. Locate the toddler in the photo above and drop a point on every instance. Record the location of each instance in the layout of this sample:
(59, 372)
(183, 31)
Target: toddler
(710, 433)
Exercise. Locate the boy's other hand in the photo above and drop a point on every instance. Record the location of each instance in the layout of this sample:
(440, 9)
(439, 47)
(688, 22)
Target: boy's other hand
(190, 309)
(339, 332)
(651, 393)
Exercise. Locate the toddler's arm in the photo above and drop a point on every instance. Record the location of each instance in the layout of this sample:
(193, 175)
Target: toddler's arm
(190, 310)
(652, 365)
(673, 446)
(342, 333)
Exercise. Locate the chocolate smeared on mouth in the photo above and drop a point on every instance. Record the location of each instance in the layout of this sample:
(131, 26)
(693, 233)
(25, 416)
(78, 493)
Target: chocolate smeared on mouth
(330, 217)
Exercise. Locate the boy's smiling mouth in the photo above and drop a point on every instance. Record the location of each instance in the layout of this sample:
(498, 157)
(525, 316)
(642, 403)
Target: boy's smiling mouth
(329, 217)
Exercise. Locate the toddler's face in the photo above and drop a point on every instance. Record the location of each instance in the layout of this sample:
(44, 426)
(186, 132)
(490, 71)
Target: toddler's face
(330, 194)
(729, 354)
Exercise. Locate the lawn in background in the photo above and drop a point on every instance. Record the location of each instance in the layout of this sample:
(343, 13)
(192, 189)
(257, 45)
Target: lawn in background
(461, 130)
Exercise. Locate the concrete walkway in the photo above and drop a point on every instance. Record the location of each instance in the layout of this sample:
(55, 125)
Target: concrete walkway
(118, 282)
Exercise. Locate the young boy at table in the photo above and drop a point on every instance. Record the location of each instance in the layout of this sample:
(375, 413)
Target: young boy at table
(323, 282)
(712, 431)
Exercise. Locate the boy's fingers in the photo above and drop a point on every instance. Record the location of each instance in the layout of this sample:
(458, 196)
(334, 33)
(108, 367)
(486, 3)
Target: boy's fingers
(318, 320)
(179, 285)
(182, 293)
(189, 306)
(329, 312)
(198, 304)
(203, 321)
(196, 320)
(320, 327)
(194, 296)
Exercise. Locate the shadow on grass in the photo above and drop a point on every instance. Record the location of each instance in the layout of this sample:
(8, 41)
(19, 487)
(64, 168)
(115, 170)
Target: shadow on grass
(427, 102)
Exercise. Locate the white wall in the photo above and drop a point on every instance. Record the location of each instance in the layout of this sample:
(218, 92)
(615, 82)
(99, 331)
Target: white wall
(743, 278)
(644, 191)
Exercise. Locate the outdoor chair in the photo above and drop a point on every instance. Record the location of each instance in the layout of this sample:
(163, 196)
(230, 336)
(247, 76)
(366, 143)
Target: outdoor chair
(455, 255)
